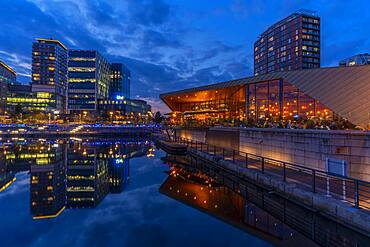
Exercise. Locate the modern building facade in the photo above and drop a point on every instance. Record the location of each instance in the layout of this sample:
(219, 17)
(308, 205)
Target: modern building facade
(360, 59)
(49, 72)
(291, 44)
(88, 78)
(21, 99)
(120, 82)
(7, 78)
(125, 110)
(324, 95)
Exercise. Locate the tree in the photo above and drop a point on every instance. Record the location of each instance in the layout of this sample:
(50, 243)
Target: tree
(158, 118)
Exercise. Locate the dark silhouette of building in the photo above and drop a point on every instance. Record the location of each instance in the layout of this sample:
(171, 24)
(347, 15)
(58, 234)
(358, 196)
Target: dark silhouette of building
(120, 81)
(7, 78)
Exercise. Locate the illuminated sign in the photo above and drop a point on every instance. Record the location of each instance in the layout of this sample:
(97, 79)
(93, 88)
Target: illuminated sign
(120, 97)
(118, 161)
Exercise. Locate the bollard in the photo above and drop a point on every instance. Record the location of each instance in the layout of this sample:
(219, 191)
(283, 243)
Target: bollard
(246, 160)
(313, 181)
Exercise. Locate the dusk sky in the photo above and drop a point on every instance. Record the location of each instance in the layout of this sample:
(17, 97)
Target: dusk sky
(173, 44)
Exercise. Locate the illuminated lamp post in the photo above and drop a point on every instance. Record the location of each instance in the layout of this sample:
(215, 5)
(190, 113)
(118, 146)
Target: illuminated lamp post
(85, 114)
(111, 116)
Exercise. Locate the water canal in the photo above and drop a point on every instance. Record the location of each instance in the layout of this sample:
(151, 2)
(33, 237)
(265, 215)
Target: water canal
(126, 192)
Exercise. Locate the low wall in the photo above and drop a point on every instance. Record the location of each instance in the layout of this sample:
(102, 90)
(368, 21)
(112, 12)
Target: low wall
(310, 148)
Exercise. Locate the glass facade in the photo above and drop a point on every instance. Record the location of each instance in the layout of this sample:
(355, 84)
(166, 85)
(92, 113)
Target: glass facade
(129, 111)
(49, 71)
(7, 78)
(88, 78)
(279, 100)
(120, 81)
(273, 102)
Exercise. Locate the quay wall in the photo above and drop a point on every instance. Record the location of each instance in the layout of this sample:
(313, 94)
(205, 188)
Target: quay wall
(310, 148)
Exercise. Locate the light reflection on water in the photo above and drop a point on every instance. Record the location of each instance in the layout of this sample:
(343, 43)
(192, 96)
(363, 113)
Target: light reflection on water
(99, 193)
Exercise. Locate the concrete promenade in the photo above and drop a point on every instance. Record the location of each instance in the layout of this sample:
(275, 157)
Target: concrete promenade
(309, 148)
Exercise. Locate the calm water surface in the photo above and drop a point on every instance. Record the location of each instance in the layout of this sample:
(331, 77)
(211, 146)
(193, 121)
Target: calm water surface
(108, 193)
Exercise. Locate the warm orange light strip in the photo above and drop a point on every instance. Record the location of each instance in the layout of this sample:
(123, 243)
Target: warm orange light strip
(7, 184)
(54, 41)
(8, 68)
(50, 216)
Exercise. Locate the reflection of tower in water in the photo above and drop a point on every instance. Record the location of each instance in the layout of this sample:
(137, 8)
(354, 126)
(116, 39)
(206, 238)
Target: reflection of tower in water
(72, 175)
(119, 174)
(48, 185)
(87, 177)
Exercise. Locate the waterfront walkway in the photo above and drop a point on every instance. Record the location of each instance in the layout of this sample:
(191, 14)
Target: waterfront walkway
(353, 191)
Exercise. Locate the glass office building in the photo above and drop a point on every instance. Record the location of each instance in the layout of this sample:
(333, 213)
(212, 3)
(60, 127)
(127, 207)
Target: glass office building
(323, 95)
(7, 78)
(120, 81)
(291, 44)
(22, 99)
(49, 71)
(88, 78)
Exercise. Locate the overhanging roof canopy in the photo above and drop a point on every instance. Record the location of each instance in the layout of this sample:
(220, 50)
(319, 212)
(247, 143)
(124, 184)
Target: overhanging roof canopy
(345, 90)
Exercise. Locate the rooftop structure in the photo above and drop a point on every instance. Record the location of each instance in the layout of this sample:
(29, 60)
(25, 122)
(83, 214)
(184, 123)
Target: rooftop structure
(360, 59)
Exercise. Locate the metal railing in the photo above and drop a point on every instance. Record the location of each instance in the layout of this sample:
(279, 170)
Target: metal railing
(354, 191)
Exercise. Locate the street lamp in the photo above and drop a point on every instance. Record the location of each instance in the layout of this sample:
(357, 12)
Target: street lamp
(111, 116)
(84, 114)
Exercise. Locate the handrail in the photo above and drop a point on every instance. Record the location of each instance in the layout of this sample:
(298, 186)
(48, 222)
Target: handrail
(354, 191)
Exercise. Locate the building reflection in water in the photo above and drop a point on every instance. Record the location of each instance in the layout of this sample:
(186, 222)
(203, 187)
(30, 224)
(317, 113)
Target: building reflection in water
(48, 183)
(273, 219)
(201, 192)
(69, 174)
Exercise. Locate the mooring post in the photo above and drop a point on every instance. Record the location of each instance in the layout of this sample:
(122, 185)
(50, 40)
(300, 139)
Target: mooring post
(246, 160)
(263, 164)
(284, 171)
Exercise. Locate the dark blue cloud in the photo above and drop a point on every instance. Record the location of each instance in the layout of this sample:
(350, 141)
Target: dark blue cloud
(149, 12)
(174, 44)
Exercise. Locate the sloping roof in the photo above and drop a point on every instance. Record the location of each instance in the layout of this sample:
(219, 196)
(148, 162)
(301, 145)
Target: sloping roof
(345, 90)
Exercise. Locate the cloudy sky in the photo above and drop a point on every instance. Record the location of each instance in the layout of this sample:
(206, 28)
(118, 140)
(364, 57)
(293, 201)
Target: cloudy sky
(173, 44)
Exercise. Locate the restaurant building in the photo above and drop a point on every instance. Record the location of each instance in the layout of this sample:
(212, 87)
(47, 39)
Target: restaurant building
(326, 95)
